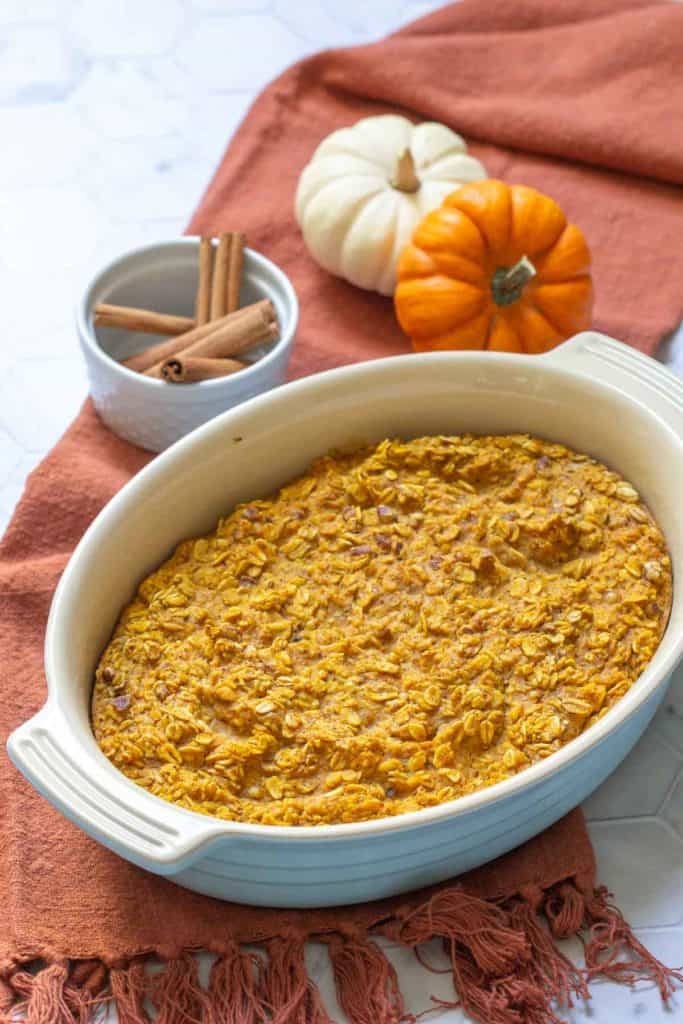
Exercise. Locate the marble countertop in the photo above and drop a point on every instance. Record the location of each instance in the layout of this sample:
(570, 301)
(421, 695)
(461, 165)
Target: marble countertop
(109, 137)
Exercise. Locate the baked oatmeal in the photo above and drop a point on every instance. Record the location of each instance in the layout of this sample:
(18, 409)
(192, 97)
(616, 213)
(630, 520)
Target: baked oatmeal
(396, 628)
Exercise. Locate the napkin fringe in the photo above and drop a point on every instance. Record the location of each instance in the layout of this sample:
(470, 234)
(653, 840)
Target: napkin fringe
(128, 988)
(177, 993)
(614, 952)
(366, 982)
(504, 960)
(233, 995)
(287, 992)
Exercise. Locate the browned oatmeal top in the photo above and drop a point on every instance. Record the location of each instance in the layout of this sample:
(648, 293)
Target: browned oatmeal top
(396, 628)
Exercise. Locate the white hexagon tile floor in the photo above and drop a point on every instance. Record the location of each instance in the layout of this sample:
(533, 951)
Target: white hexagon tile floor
(109, 136)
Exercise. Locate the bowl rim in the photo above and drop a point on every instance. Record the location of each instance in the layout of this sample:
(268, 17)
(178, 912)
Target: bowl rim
(211, 827)
(88, 337)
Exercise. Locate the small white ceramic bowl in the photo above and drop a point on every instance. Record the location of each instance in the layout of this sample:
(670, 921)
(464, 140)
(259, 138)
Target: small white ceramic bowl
(163, 277)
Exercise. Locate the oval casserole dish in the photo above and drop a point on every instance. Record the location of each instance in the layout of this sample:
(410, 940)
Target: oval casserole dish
(592, 394)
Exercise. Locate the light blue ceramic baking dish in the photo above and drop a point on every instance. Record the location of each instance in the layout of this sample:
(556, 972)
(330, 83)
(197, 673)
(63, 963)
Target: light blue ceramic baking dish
(591, 393)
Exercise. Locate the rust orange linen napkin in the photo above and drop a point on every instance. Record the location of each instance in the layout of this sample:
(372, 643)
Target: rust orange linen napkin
(582, 99)
(89, 919)
(539, 85)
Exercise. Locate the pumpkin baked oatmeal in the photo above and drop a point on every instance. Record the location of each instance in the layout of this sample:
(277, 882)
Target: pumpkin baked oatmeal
(396, 628)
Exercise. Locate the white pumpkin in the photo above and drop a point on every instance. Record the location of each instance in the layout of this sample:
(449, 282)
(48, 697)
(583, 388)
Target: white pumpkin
(367, 187)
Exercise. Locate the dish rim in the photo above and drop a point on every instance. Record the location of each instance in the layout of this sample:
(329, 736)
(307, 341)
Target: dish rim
(528, 778)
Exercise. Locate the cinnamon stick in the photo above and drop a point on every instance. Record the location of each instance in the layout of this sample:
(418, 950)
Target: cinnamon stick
(203, 299)
(220, 277)
(145, 320)
(182, 369)
(235, 264)
(156, 354)
(231, 335)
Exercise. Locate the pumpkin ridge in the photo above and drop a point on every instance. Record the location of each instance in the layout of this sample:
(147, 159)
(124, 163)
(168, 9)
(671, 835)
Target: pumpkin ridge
(488, 259)
(446, 155)
(399, 248)
(476, 298)
(534, 328)
(420, 258)
(477, 276)
(354, 211)
(571, 257)
(489, 330)
(506, 328)
(328, 184)
(522, 199)
(542, 281)
(332, 156)
(356, 174)
(579, 324)
(392, 231)
(452, 151)
(353, 220)
(538, 257)
(345, 150)
(480, 188)
(530, 302)
(351, 214)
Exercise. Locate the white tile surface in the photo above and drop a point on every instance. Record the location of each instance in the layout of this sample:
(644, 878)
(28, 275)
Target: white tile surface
(39, 64)
(124, 99)
(241, 51)
(640, 784)
(672, 811)
(640, 859)
(54, 142)
(669, 719)
(18, 11)
(130, 28)
(113, 115)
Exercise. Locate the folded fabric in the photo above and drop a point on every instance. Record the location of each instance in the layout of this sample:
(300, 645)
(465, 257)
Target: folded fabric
(577, 99)
(581, 99)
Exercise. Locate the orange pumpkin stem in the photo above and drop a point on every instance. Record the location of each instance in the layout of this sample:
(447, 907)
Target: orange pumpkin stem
(405, 179)
(507, 284)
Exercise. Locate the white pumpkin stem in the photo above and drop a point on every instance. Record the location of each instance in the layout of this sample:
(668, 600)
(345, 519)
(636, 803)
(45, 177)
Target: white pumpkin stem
(405, 179)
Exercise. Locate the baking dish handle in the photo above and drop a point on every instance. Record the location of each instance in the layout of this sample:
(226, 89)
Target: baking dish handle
(82, 791)
(618, 364)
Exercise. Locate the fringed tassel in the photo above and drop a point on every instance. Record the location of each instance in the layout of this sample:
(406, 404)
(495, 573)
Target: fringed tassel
(613, 951)
(484, 929)
(548, 967)
(8, 995)
(367, 986)
(177, 994)
(22, 983)
(129, 986)
(482, 996)
(484, 949)
(86, 989)
(506, 968)
(288, 993)
(232, 995)
(565, 909)
(47, 1002)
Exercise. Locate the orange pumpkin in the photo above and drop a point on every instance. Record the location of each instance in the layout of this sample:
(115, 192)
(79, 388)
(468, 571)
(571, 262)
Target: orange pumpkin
(498, 267)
